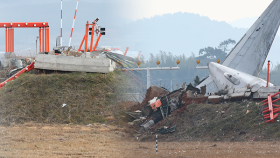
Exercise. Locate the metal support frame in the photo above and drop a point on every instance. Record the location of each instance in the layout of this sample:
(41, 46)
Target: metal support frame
(6, 35)
(43, 39)
(86, 35)
(47, 45)
(82, 43)
(92, 34)
(126, 51)
(9, 33)
(40, 41)
(12, 39)
(97, 42)
(85, 39)
(270, 109)
(9, 36)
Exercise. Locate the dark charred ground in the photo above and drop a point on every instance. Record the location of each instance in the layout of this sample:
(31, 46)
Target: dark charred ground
(218, 122)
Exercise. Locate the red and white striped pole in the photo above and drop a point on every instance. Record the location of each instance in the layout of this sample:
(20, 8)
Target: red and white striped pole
(61, 26)
(73, 23)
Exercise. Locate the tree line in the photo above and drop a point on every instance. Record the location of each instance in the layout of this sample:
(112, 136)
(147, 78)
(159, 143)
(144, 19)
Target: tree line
(188, 73)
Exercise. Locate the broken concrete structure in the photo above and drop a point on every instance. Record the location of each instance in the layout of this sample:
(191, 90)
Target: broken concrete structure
(71, 63)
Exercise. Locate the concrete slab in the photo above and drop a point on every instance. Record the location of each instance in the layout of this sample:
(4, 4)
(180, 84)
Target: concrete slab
(70, 63)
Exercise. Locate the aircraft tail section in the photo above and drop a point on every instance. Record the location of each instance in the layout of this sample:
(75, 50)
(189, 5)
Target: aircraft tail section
(250, 53)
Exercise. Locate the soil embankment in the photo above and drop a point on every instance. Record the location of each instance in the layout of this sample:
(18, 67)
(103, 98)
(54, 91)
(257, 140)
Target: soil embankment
(219, 122)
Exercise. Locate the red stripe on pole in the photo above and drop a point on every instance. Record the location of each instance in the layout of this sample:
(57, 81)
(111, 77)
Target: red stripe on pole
(71, 32)
(75, 14)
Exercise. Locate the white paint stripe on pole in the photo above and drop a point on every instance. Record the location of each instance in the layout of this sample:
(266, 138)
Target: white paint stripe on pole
(156, 145)
(61, 26)
(73, 22)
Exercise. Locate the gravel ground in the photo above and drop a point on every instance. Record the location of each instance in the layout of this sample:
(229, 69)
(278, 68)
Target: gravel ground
(98, 140)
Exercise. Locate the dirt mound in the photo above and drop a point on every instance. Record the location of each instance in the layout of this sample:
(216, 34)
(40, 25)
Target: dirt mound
(152, 92)
(219, 122)
(187, 101)
(129, 105)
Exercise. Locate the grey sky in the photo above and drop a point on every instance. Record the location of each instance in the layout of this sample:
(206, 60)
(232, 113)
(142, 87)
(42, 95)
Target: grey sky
(137, 9)
(112, 12)
(221, 10)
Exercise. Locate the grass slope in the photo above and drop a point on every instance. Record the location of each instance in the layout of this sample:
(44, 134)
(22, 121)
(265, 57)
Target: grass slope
(89, 98)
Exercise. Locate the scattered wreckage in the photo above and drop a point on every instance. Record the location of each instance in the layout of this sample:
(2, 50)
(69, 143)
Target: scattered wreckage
(162, 104)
